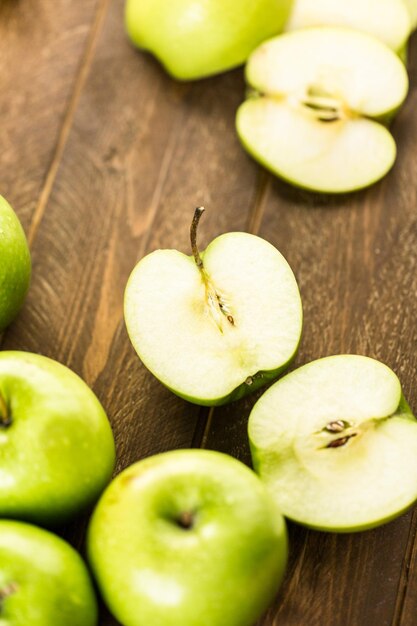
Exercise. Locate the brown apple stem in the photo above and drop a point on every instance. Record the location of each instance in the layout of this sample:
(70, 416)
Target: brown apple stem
(193, 236)
(217, 305)
(5, 417)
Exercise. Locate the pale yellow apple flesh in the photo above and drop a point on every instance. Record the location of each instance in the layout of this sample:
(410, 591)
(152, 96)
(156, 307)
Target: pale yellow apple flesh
(388, 20)
(412, 9)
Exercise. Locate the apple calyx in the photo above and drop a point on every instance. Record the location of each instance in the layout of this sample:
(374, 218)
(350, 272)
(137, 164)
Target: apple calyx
(217, 305)
(185, 520)
(5, 417)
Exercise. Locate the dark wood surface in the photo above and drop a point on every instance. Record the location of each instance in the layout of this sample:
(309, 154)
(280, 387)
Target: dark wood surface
(104, 158)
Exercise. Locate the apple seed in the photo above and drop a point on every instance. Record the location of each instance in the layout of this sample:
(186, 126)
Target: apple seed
(342, 441)
(338, 426)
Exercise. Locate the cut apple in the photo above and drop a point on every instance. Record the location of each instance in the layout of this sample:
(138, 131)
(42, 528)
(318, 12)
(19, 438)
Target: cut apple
(337, 444)
(319, 94)
(388, 20)
(215, 326)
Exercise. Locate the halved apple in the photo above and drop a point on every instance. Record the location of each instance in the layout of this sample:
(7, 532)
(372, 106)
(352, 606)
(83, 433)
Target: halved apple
(388, 20)
(319, 95)
(336, 442)
(215, 326)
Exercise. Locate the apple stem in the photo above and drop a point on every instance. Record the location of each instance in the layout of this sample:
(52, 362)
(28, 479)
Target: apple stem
(216, 303)
(5, 418)
(193, 236)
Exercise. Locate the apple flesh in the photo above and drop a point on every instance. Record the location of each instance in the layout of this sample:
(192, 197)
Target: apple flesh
(15, 264)
(412, 9)
(215, 326)
(388, 20)
(57, 448)
(336, 443)
(188, 537)
(198, 38)
(319, 95)
(43, 581)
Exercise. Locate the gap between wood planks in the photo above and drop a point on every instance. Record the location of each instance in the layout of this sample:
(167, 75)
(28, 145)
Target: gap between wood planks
(80, 79)
(405, 572)
(206, 414)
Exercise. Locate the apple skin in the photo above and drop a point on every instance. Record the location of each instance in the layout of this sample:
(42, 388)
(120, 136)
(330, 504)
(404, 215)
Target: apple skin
(43, 580)
(198, 38)
(15, 264)
(57, 453)
(223, 569)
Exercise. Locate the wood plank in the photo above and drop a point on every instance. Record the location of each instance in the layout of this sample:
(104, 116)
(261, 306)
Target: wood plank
(42, 46)
(356, 264)
(141, 153)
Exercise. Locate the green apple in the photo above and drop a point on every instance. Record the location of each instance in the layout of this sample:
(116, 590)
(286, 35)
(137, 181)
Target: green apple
(188, 538)
(216, 326)
(15, 265)
(320, 94)
(388, 20)
(56, 445)
(43, 581)
(198, 38)
(336, 443)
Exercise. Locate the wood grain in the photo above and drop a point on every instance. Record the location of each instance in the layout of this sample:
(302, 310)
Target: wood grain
(42, 45)
(109, 165)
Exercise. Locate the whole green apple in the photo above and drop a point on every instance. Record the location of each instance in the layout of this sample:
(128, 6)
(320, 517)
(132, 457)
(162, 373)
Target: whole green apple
(198, 38)
(56, 445)
(188, 537)
(15, 264)
(43, 580)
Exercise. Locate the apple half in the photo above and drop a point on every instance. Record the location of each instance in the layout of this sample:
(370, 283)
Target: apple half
(336, 442)
(216, 326)
(388, 20)
(313, 119)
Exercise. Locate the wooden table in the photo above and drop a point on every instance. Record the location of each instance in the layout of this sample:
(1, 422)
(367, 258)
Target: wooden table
(104, 158)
